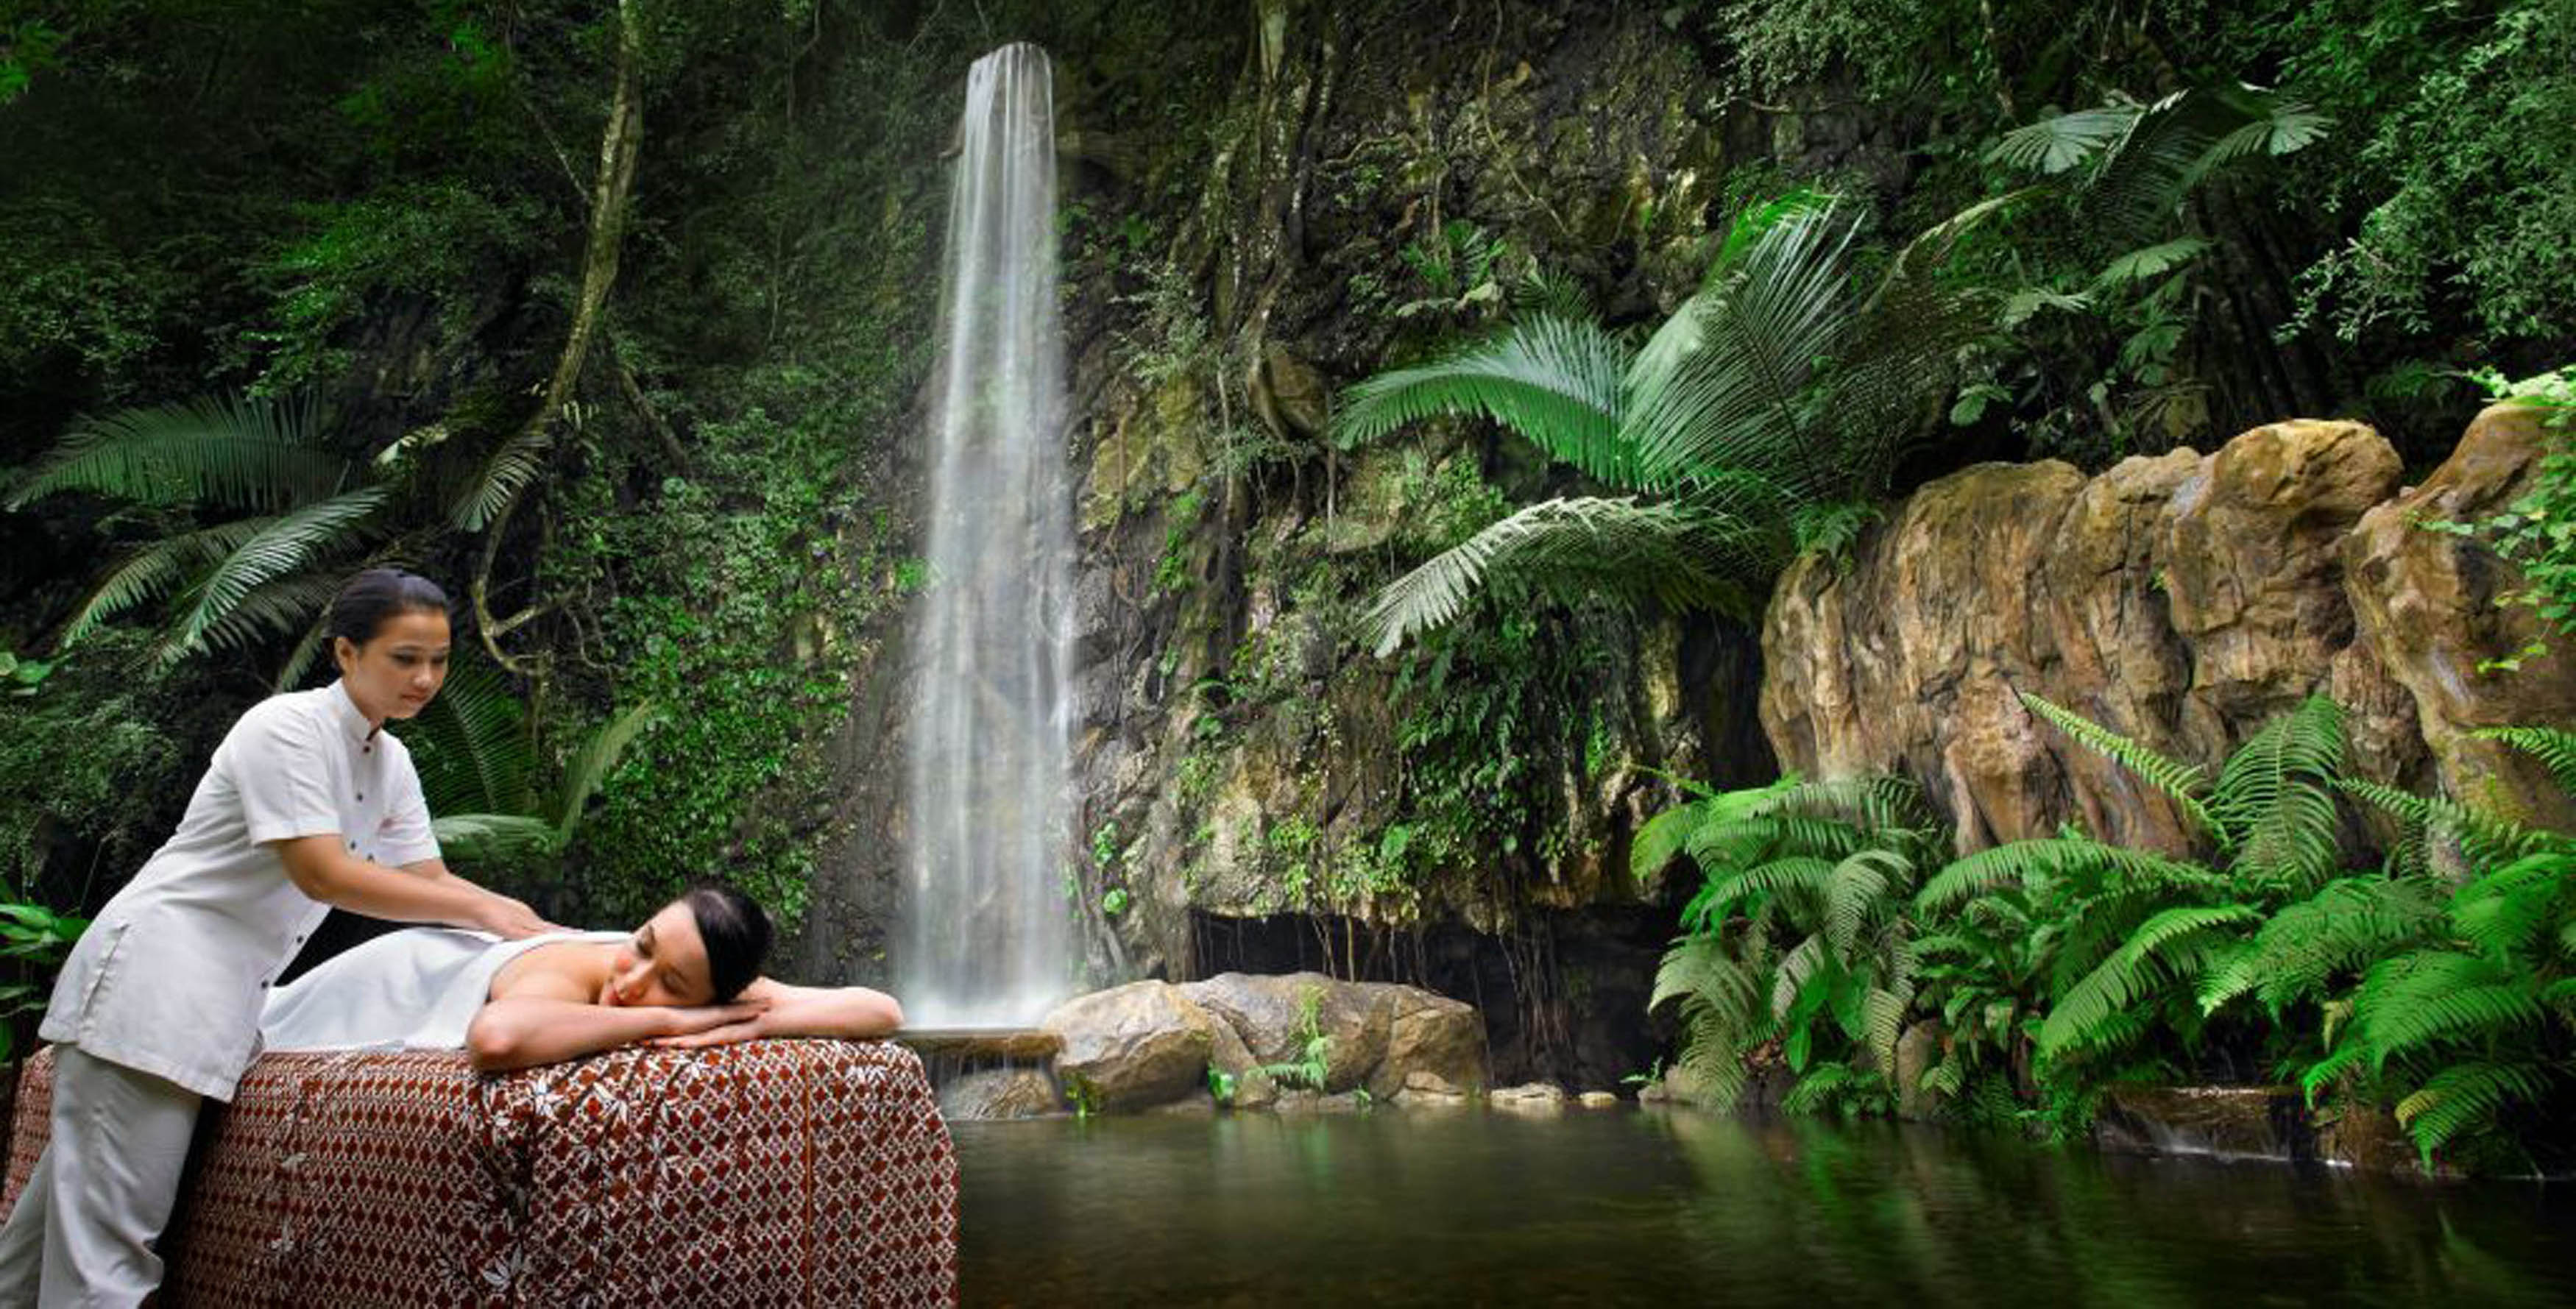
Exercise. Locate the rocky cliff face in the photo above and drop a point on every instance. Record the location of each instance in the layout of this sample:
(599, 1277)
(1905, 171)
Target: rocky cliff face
(2180, 600)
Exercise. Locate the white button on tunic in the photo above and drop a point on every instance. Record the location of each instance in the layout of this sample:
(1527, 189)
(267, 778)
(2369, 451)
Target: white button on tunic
(170, 978)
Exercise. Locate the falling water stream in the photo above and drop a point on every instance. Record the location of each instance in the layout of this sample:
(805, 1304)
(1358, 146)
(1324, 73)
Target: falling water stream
(987, 935)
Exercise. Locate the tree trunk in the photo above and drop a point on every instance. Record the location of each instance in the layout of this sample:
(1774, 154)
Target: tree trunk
(519, 460)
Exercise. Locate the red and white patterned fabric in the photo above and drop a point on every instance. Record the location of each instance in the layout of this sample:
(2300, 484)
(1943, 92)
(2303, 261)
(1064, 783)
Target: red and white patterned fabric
(788, 1173)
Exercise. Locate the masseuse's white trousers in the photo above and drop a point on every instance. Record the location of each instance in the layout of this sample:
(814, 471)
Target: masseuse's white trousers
(80, 1235)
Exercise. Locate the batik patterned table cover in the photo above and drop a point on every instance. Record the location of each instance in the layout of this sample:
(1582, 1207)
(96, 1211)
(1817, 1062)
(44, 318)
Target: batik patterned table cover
(788, 1173)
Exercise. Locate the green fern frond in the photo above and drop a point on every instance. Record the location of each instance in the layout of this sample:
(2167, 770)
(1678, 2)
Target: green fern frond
(1804, 876)
(2185, 784)
(2275, 797)
(2427, 997)
(2345, 925)
(245, 454)
(2131, 972)
(2554, 747)
(2041, 858)
(2466, 1096)
(1860, 889)
(2483, 836)
(1554, 381)
(1662, 838)
(2344, 1060)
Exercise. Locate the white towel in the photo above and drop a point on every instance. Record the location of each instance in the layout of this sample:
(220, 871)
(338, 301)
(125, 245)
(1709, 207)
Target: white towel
(416, 989)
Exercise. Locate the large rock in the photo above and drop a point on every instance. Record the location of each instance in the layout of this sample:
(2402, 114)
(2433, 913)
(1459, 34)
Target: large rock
(1150, 1043)
(2180, 600)
(1269, 1014)
(2427, 604)
(1131, 1047)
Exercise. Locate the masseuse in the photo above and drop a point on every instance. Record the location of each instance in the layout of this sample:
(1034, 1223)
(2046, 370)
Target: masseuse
(308, 804)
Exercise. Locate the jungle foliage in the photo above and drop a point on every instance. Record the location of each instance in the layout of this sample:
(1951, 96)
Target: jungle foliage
(2050, 969)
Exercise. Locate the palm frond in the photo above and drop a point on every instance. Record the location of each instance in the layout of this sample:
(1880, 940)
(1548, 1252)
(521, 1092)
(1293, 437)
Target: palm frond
(592, 763)
(1719, 385)
(1554, 381)
(2053, 145)
(281, 547)
(493, 838)
(1615, 549)
(473, 751)
(156, 570)
(2153, 261)
(496, 485)
(254, 454)
(286, 606)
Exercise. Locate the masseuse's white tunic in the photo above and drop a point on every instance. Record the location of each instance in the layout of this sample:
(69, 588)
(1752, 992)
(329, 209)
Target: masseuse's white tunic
(160, 1001)
(169, 980)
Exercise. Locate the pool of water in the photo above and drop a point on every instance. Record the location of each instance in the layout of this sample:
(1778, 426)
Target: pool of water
(1631, 1206)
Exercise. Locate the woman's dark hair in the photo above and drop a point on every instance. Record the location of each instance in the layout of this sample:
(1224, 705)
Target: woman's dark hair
(368, 599)
(736, 934)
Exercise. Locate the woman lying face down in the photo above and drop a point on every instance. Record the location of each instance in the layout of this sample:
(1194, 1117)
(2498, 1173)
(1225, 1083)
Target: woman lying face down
(689, 977)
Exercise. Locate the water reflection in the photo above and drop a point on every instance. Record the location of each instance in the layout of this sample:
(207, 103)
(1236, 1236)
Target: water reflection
(1629, 1207)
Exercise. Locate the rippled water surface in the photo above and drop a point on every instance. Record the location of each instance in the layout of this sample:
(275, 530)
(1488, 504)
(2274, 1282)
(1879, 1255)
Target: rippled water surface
(1635, 1207)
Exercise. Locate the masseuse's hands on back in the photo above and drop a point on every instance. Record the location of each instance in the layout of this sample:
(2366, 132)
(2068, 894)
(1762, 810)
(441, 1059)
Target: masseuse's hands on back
(422, 892)
(510, 919)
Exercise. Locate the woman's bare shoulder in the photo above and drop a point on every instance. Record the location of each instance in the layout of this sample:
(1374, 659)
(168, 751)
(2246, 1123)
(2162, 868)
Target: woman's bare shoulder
(561, 970)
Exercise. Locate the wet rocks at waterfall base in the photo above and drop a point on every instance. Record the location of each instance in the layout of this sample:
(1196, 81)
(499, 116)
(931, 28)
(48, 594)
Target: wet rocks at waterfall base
(1146, 1044)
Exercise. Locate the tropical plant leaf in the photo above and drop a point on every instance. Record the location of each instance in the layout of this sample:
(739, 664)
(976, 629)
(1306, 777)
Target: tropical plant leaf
(1719, 384)
(472, 747)
(1616, 549)
(2054, 145)
(2185, 784)
(493, 838)
(1554, 381)
(281, 547)
(597, 757)
(157, 570)
(243, 454)
(2132, 971)
(2275, 795)
(2152, 262)
(2554, 747)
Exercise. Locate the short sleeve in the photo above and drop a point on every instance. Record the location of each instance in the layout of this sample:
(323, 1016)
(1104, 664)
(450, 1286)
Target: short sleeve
(407, 836)
(280, 764)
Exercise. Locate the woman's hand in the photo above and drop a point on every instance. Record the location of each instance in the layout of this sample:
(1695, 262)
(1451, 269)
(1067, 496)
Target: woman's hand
(715, 1024)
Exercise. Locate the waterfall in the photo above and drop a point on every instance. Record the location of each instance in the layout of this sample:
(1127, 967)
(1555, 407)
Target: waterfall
(987, 937)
